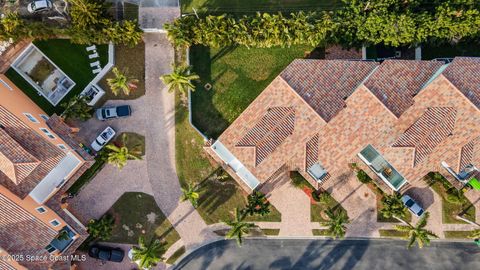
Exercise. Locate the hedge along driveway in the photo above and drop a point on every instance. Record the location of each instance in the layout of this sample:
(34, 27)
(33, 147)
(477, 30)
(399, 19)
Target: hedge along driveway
(72, 59)
(252, 6)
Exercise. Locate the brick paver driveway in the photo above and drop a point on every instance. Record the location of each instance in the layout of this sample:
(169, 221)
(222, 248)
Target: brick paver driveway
(153, 116)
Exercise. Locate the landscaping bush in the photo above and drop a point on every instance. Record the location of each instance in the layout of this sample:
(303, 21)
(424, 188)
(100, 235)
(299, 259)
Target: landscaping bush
(324, 198)
(299, 181)
(363, 177)
(453, 198)
(315, 196)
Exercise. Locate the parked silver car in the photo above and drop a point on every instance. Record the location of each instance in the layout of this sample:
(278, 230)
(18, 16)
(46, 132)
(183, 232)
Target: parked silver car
(413, 206)
(39, 5)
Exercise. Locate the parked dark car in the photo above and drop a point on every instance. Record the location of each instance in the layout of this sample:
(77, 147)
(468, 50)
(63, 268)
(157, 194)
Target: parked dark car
(105, 253)
(106, 113)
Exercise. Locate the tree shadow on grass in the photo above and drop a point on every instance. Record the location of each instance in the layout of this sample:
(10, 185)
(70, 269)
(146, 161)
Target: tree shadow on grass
(214, 193)
(204, 114)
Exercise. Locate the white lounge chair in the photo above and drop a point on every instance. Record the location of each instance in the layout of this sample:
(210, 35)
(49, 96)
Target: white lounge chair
(95, 64)
(91, 56)
(97, 70)
(91, 48)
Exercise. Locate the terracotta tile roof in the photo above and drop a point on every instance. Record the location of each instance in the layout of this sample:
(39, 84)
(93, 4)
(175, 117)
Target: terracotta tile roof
(436, 124)
(4, 265)
(396, 82)
(272, 129)
(464, 73)
(325, 84)
(37, 147)
(21, 232)
(15, 162)
(311, 151)
(470, 154)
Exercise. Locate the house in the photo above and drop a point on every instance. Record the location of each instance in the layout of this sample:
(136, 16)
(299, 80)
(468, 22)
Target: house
(39, 160)
(398, 120)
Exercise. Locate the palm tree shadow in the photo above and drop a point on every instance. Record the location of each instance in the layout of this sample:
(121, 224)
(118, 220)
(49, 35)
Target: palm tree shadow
(215, 193)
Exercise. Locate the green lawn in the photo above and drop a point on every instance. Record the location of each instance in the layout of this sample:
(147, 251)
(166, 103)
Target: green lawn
(271, 232)
(317, 209)
(132, 62)
(137, 214)
(238, 75)
(430, 51)
(252, 6)
(321, 232)
(451, 209)
(176, 255)
(218, 199)
(133, 141)
(457, 234)
(392, 233)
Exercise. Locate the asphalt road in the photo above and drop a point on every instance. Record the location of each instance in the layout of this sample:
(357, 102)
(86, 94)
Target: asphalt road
(330, 254)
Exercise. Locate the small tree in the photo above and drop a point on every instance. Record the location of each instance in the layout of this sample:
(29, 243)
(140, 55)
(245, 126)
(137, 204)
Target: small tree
(417, 233)
(190, 193)
(147, 255)
(77, 108)
(63, 235)
(363, 177)
(85, 13)
(393, 207)
(121, 82)
(102, 228)
(238, 227)
(257, 203)
(336, 222)
(118, 156)
(180, 79)
(475, 234)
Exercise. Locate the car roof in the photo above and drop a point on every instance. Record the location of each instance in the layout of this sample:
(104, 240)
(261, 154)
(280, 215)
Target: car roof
(41, 4)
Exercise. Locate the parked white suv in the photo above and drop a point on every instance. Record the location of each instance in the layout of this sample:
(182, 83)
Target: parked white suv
(103, 139)
(39, 5)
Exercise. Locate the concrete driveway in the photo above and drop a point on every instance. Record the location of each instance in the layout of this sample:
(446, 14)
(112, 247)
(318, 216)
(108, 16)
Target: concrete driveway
(331, 254)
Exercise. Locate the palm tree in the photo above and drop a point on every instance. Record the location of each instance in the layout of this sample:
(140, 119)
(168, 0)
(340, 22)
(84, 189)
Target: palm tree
(417, 233)
(180, 79)
(148, 255)
(76, 108)
(190, 193)
(475, 234)
(336, 222)
(393, 207)
(118, 156)
(121, 81)
(102, 228)
(257, 204)
(238, 227)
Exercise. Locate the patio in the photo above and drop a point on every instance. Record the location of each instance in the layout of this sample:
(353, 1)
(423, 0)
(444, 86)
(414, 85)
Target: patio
(47, 78)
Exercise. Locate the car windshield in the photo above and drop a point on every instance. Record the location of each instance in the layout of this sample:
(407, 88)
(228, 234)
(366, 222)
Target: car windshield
(99, 143)
(33, 5)
(103, 114)
(420, 212)
(409, 203)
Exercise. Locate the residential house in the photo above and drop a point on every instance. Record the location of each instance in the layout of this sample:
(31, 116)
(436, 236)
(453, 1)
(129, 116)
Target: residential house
(37, 165)
(399, 120)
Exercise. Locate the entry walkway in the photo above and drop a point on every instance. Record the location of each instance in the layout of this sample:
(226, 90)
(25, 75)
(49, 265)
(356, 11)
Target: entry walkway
(292, 203)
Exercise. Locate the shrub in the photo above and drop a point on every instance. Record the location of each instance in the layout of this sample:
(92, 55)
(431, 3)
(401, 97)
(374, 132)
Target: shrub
(299, 182)
(316, 196)
(363, 177)
(324, 198)
(453, 198)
